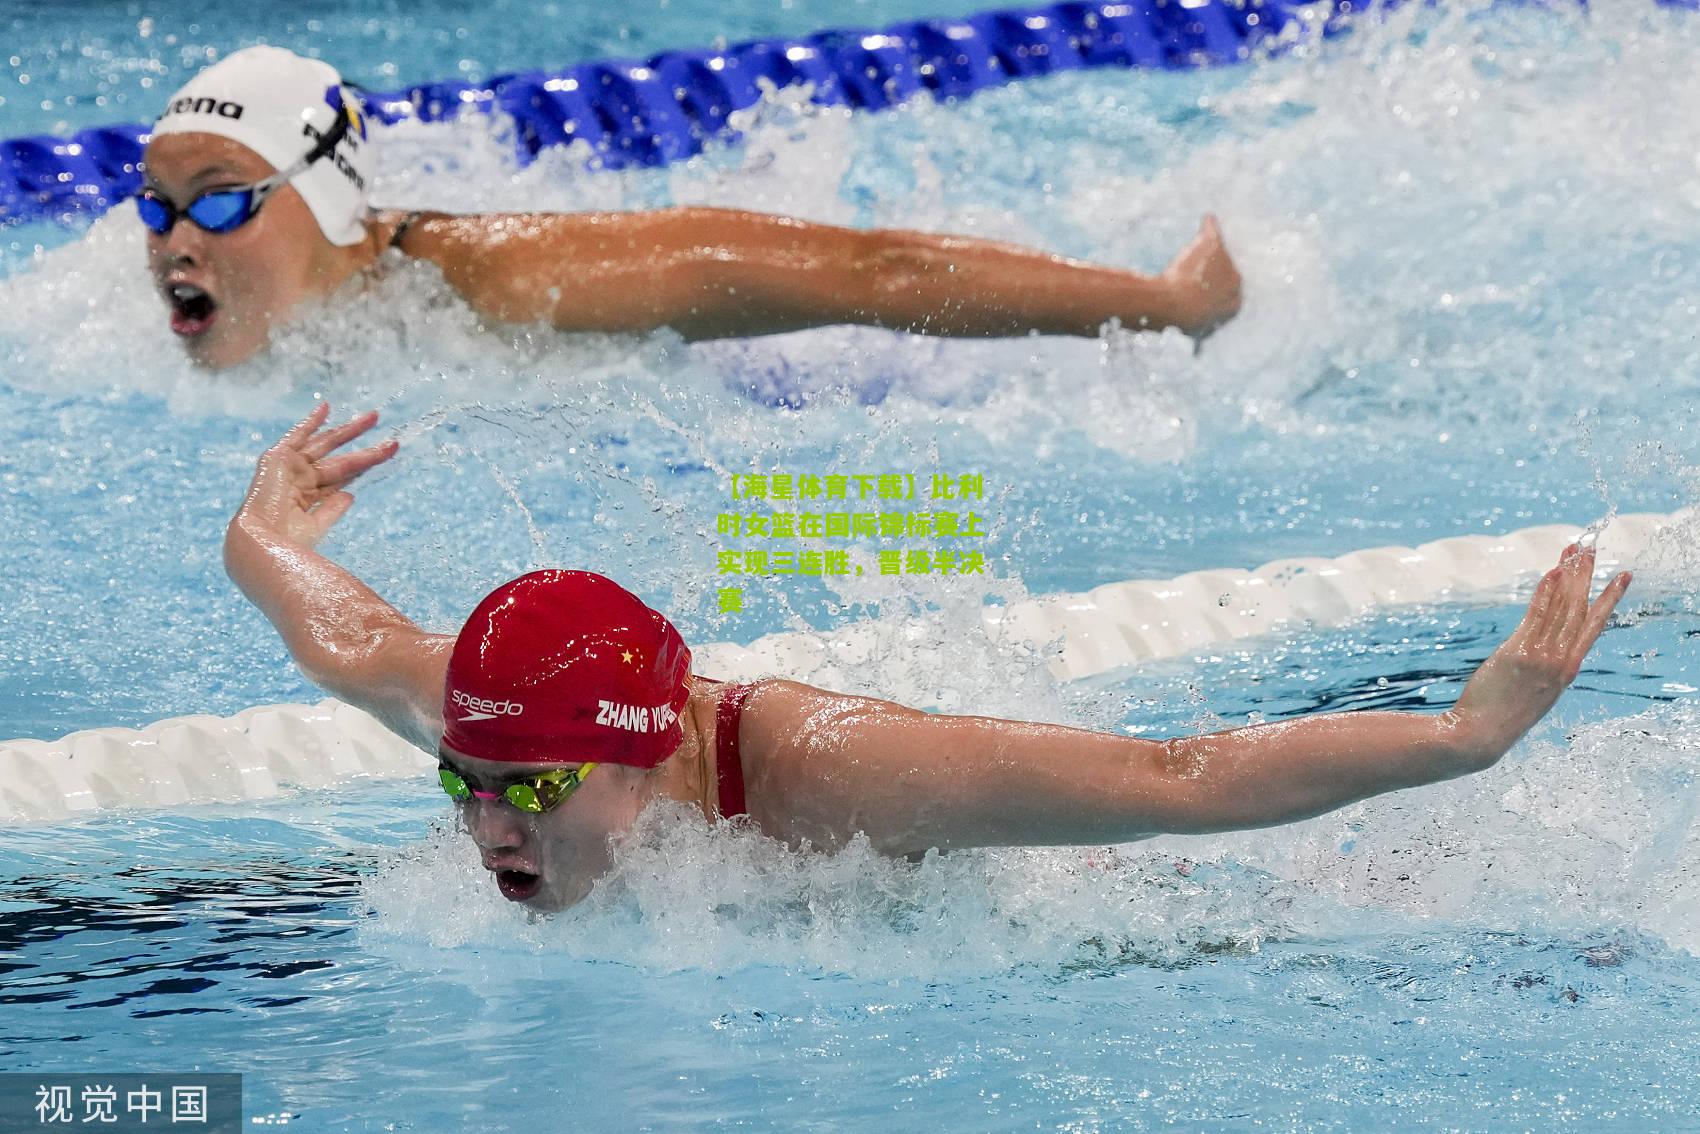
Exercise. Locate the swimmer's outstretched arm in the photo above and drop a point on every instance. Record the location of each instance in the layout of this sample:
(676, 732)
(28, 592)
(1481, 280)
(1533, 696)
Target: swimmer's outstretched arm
(911, 781)
(716, 273)
(344, 637)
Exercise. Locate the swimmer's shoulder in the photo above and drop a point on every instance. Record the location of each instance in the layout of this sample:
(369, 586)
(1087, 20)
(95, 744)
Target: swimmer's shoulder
(811, 774)
(475, 252)
(414, 233)
(427, 235)
(787, 725)
(767, 706)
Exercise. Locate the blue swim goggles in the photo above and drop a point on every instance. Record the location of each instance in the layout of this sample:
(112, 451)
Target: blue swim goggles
(226, 210)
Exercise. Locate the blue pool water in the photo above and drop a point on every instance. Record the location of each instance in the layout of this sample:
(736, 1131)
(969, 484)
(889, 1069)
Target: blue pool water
(1468, 236)
(68, 70)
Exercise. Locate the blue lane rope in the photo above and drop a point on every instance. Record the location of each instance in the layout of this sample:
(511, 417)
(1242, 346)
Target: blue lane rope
(667, 107)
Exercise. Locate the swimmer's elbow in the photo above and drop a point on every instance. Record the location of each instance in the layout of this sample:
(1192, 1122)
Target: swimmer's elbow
(352, 663)
(894, 259)
(1170, 791)
(335, 666)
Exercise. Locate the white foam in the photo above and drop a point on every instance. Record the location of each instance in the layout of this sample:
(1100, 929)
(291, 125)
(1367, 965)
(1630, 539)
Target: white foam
(1598, 829)
(1596, 834)
(1450, 206)
(683, 895)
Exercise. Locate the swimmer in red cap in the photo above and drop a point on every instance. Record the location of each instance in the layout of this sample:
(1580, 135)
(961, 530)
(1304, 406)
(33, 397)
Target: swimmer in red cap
(256, 202)
(565, 706)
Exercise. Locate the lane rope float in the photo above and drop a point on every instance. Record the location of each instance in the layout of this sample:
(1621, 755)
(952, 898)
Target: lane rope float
(263, 751)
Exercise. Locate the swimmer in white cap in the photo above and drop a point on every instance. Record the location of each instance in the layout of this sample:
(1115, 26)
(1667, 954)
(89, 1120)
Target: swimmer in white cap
(558, 675)
(256, 201)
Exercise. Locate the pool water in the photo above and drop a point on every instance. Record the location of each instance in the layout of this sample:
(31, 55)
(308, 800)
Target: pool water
(68, 71)
(1468, 235)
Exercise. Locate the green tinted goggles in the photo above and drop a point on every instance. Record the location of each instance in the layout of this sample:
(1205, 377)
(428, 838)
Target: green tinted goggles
(535, 794)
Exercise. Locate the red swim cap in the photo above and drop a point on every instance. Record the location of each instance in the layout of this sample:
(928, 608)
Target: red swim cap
(569, 667)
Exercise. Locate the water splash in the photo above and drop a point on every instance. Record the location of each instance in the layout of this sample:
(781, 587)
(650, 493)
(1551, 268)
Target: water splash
(1594, 838)
(1465, 239)
(1596, 831)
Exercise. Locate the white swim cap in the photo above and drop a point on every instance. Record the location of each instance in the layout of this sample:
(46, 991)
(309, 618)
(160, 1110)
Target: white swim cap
(279, 104)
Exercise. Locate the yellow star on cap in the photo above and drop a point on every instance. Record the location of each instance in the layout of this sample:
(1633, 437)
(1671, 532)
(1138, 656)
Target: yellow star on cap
(626, 656)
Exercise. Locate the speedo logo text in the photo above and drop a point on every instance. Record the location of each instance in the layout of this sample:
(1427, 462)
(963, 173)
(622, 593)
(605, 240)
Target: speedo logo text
(483, 709)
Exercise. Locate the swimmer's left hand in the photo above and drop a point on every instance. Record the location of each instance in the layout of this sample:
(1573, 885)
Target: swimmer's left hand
(300, 490)
(1516, 686)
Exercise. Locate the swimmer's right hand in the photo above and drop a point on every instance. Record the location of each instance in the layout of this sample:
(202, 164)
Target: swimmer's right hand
(1203, 283)
(300, 489)
(1516, 686)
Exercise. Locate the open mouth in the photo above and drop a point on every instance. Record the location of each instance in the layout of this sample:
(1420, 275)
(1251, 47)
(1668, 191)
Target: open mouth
(192, 309)
(517, 885)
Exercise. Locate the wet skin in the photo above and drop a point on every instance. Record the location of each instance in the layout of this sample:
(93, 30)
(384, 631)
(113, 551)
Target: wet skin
(705, 272)
(226, 291)
(821, 768)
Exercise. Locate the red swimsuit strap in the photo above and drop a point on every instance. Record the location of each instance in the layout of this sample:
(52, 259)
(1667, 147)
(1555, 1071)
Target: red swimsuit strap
(728, 764)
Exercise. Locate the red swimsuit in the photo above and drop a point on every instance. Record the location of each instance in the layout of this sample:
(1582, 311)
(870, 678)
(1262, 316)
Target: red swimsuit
(728, 764)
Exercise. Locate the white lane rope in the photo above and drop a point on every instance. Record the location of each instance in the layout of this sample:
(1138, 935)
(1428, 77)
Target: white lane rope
(261, 752)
